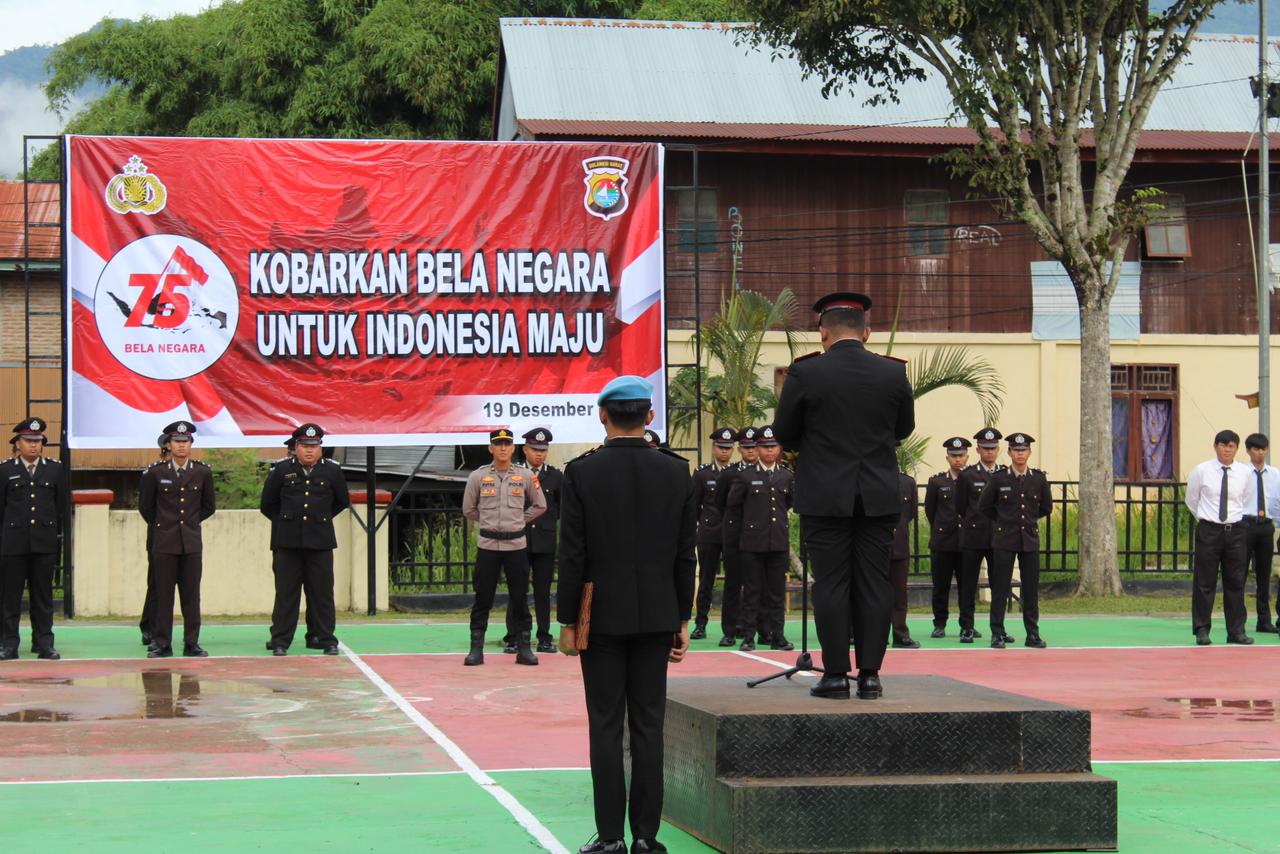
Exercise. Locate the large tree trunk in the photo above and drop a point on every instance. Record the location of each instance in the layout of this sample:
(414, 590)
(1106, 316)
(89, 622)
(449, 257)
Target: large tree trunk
(1099, 572)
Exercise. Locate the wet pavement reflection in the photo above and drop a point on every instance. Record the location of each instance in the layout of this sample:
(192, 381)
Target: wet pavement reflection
(1201, 708)
(145, 695)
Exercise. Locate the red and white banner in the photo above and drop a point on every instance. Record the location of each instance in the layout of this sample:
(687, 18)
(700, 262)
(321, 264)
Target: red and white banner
(396, 293)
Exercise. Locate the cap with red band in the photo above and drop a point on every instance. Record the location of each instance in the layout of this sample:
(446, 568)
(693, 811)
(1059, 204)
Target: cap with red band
(843, 299)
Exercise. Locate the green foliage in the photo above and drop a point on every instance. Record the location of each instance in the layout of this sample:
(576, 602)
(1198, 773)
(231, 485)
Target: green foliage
(437, 559)
(733, 392)
(238, 475)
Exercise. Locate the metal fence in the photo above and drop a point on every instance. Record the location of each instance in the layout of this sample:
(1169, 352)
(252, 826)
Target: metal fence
(433, 546)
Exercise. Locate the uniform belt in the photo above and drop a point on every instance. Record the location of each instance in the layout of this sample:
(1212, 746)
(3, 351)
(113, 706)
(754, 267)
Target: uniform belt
(1256, 520)
(1226, 526)
(502, 535)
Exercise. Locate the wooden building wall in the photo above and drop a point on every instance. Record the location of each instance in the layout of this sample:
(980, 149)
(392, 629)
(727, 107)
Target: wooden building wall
(818, 223)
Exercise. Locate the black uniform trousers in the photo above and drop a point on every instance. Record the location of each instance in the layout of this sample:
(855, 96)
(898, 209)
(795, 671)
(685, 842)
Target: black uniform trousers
(296, 570)
(898, 571)
(731, 599)
(490, 564)
(542, 565)
(1260, 547)
(1001, 569)
(708, 569)
(970, 568)
(35, 573)
(948, 565)
(1219, 547)
(625, 677)
(184, 571)
(852, 591)
(149, 601)
(764, 590)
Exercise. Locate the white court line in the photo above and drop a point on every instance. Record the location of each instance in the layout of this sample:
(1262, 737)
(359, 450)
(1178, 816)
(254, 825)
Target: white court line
(228, 779)
(1183, 761)
(526, 819)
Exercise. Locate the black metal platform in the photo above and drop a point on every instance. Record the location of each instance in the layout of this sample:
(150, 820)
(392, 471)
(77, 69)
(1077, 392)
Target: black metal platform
(934, 765)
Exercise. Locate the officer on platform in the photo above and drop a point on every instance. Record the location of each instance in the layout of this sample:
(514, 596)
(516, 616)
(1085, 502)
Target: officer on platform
(762, 497)
(501, 498)
(33, 490)
(945, 555)
(730, 533)
(975, 528)
(149, 601)
(541, 537)
(706, 483)
(628, 529)
(175, 499)
(301, 497)
(1016, 498)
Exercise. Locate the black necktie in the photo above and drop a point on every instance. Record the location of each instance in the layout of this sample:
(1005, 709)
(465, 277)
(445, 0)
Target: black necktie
(1262, 498)
(1222, 497)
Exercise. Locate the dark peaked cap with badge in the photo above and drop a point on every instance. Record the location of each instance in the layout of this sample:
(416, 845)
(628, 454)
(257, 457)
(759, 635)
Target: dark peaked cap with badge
(766, 439)
(957, 445)
(502, 434)
(308, 434)
(722, 437)
(843, 299)
(988, 437)
(181, 430)
(539, 439)
(1020, 441)
(30, 428)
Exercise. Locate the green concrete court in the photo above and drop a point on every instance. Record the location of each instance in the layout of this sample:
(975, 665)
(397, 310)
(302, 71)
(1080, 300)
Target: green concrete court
(1211, 807)
(422, 635)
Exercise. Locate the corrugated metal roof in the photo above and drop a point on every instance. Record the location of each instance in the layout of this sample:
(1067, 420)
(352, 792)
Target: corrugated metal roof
(44, 202)
(700, 75)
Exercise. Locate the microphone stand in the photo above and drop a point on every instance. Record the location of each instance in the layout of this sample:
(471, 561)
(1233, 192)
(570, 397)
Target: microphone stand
(804, 662)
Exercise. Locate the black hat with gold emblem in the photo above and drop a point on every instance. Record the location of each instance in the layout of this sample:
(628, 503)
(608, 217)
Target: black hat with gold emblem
(538, 439)
(957, 445)
(502, 434)
(309, 434)
(766, 439)
(988, 437)
(181, 430)
(722, 437)
(747, 437)
(843, 299)
(30, 428)
(1020, 441)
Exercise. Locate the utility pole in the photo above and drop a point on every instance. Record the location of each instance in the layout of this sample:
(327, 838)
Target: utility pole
(1264, 232)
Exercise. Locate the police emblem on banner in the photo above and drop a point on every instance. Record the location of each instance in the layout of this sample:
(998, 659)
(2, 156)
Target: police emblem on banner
(134, 190)
(606, 186)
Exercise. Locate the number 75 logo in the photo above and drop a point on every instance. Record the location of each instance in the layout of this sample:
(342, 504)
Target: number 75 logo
(158, 298)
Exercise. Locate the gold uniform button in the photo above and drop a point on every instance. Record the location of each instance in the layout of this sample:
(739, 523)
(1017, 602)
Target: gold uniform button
(304, 518)
(305, 506)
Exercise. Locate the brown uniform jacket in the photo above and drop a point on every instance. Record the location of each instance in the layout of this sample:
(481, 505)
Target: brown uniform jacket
(174, 504)
(1016, 503)
(31, 508)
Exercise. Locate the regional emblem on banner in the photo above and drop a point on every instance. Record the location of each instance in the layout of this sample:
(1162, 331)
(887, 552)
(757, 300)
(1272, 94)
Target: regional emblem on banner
(606, 186)
(134, 190)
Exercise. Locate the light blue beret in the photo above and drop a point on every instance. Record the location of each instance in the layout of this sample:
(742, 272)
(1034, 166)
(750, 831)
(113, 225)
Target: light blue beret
(627, 387)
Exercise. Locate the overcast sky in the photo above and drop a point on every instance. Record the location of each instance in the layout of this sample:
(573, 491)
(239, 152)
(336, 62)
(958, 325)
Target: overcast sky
(52, 21)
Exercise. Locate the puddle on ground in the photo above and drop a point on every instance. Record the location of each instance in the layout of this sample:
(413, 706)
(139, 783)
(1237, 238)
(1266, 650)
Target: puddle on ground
(1202, 708)
(145, 695)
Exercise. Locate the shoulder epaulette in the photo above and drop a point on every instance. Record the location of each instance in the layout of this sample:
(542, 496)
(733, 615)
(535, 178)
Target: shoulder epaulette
(583, 455)
(331, 461)
(201, 463)
(892, 358)
(798, 359)
(671, 453)
(703, 466)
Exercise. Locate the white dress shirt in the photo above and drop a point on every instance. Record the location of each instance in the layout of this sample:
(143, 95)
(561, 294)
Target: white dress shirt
(1205, 485)
(1270, 491)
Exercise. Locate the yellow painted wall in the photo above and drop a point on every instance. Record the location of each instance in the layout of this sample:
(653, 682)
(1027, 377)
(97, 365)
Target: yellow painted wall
(1042, 382)
(111, 564)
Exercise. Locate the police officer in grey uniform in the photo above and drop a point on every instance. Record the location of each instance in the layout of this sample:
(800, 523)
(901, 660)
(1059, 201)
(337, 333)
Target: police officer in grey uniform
(175, 499)
(1016, 498)
(944, 541)
(33, 491)
(502, 499)
(975, 528)
(706, 486)
(301, 497)
(541, 537)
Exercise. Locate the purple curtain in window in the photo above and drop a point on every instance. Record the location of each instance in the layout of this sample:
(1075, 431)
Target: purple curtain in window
(1120, 437)
(1157, 439)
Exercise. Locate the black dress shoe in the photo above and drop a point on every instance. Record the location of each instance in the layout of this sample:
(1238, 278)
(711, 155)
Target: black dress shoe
(727, 641)
(997, 642)
(509, 647)
(976, 633)
(331, 649)
(832, 687)
(8, 655)
(1202, 638)
(699, 632)
(1266, 629)
(279, 650)
(905, 643)
(160, 652)
(967, 636)
(1035, 642)
(146, 638)
(1243, 640)
(647, 846)
(194, 650)
(49, 654)
(34, 649)
(545, 645)
(1008, 638)
(312, 643)
(869, 686)
(938, 632)
(748, 644)
(605, 846)
(781, 643)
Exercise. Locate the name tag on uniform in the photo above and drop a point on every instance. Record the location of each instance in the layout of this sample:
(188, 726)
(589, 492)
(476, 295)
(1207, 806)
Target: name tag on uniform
(14, 476)
(1006, 489)
(709, 483)
(980, 483)
(757, 483)
(164, 482)
(293, 475)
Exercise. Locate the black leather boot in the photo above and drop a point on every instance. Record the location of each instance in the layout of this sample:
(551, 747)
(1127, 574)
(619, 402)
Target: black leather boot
(476, 656)
(524, 654)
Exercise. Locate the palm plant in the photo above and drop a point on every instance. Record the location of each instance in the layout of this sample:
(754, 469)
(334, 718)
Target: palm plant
(731, 343)
(949, 366)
